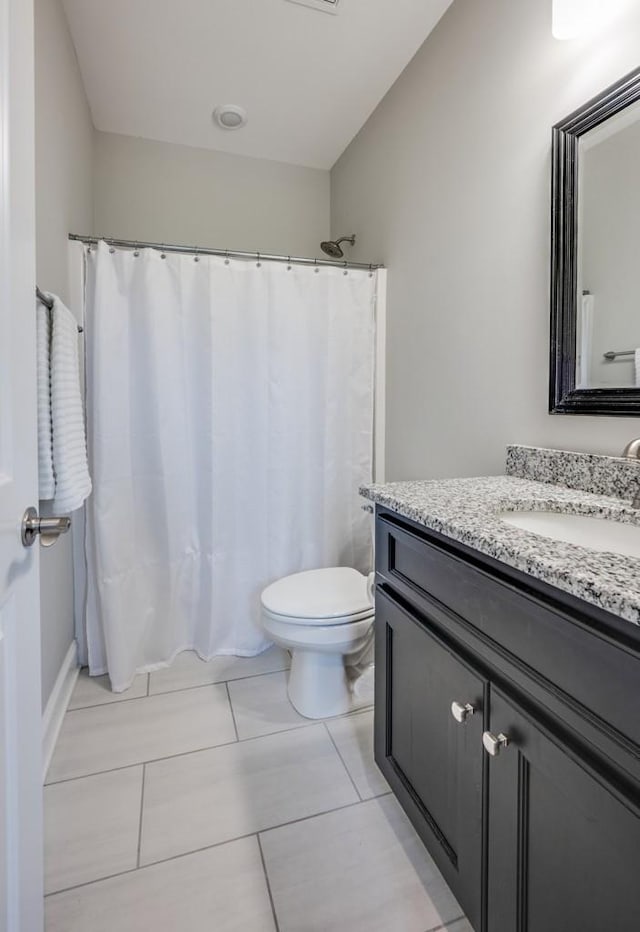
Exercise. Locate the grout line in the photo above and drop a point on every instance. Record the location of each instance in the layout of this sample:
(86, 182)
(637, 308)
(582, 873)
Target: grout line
(233, 679)
(353, 783)
(144, 774)
(352, 714)
(313, 815)
(184, 689)
(446, 925)
(312, 723)
(118, 702)
(266, 877)
(208, 747)
(233, 714)
(137, 763)
(105, 705)
(217, 844)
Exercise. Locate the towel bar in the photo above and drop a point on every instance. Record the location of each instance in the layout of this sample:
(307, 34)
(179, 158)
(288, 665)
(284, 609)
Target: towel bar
(614, 355)
(41, 296)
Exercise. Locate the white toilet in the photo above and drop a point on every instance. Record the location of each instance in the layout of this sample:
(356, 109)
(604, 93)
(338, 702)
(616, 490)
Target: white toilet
(324, 617)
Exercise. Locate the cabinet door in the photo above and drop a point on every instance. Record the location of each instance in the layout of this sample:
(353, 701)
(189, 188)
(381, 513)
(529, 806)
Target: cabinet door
(563, 842)
(432, 762)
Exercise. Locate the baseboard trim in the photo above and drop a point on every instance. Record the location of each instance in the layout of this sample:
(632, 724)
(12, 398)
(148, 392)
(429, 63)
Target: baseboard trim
(57, 703)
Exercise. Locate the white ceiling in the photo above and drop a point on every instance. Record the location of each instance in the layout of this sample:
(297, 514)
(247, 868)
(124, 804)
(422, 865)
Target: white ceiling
(308, 80)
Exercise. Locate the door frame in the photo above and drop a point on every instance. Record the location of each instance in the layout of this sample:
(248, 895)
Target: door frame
(21, 844)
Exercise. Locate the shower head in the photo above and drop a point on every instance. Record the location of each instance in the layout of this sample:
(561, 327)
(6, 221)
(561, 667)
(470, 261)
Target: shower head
(333, 248)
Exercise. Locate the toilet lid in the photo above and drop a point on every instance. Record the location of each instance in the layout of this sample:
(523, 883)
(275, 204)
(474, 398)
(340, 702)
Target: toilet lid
(326, 593)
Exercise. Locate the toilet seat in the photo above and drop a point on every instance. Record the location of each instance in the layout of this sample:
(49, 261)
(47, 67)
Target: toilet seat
(292, 633)
(331, 596)
(318, 622)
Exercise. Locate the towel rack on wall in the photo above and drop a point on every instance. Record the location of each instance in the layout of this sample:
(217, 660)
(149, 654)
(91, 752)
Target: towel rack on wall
(614, 355)
(41, 296)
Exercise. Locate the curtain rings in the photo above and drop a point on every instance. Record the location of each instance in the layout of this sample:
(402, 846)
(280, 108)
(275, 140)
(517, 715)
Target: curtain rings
(226, 257)
(136, 250)
(289, 263)
(196, 258)
(258, 263)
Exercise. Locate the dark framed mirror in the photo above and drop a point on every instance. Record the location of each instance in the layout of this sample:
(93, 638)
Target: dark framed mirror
(595, 256)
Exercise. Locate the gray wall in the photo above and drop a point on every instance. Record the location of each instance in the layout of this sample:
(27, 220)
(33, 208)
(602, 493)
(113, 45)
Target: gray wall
(177, 194)
(64, 201)
(448, 183)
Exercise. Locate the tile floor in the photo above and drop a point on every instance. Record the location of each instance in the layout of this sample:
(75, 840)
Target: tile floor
(200, 799)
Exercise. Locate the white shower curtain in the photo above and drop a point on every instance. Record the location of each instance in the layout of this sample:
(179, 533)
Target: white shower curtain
(230, 423)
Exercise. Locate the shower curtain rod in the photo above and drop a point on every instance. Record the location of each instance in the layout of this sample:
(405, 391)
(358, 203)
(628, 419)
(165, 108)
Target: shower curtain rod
(225, 253)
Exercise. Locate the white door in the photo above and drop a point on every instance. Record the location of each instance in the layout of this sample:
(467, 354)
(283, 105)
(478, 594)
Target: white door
(20, 713)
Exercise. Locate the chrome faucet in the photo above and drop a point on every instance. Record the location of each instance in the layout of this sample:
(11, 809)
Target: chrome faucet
(632, 452)
(632, 449)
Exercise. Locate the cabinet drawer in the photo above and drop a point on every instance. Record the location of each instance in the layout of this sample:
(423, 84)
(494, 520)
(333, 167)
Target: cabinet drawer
(560, 643)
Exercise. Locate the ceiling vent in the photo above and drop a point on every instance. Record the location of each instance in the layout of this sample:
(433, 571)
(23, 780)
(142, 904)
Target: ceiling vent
(325, 6)
(230, 116)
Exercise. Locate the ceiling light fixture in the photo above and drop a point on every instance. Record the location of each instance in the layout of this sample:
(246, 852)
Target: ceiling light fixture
(574, 18)
(230, 116)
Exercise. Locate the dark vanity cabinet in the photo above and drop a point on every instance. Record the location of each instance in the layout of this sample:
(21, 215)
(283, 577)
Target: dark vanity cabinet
(563, 839)
(433, 765)
(507, 726)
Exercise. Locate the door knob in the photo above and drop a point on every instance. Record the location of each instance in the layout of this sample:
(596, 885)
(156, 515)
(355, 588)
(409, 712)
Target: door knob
(462, 712)
(49, 529)
(493, 744)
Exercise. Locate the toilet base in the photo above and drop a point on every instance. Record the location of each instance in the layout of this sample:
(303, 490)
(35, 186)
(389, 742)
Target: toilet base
(318, 685)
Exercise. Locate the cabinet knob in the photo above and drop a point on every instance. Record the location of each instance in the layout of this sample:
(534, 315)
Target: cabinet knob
(462, 712)
(493, 744)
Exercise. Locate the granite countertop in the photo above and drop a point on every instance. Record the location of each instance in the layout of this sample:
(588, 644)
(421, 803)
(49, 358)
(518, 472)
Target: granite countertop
(467, 511)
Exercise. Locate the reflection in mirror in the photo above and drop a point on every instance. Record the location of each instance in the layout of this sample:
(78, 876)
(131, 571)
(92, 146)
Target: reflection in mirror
(595, 255)
(608, 260)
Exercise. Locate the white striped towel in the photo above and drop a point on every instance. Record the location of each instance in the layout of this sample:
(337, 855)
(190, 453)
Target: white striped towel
(46, 478)
(73, 483)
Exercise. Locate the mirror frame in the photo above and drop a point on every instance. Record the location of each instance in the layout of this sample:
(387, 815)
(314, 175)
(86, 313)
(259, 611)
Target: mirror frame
(564, 397)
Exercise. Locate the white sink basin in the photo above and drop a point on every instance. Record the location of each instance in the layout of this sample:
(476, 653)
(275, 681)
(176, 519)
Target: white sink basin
(583, 530)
